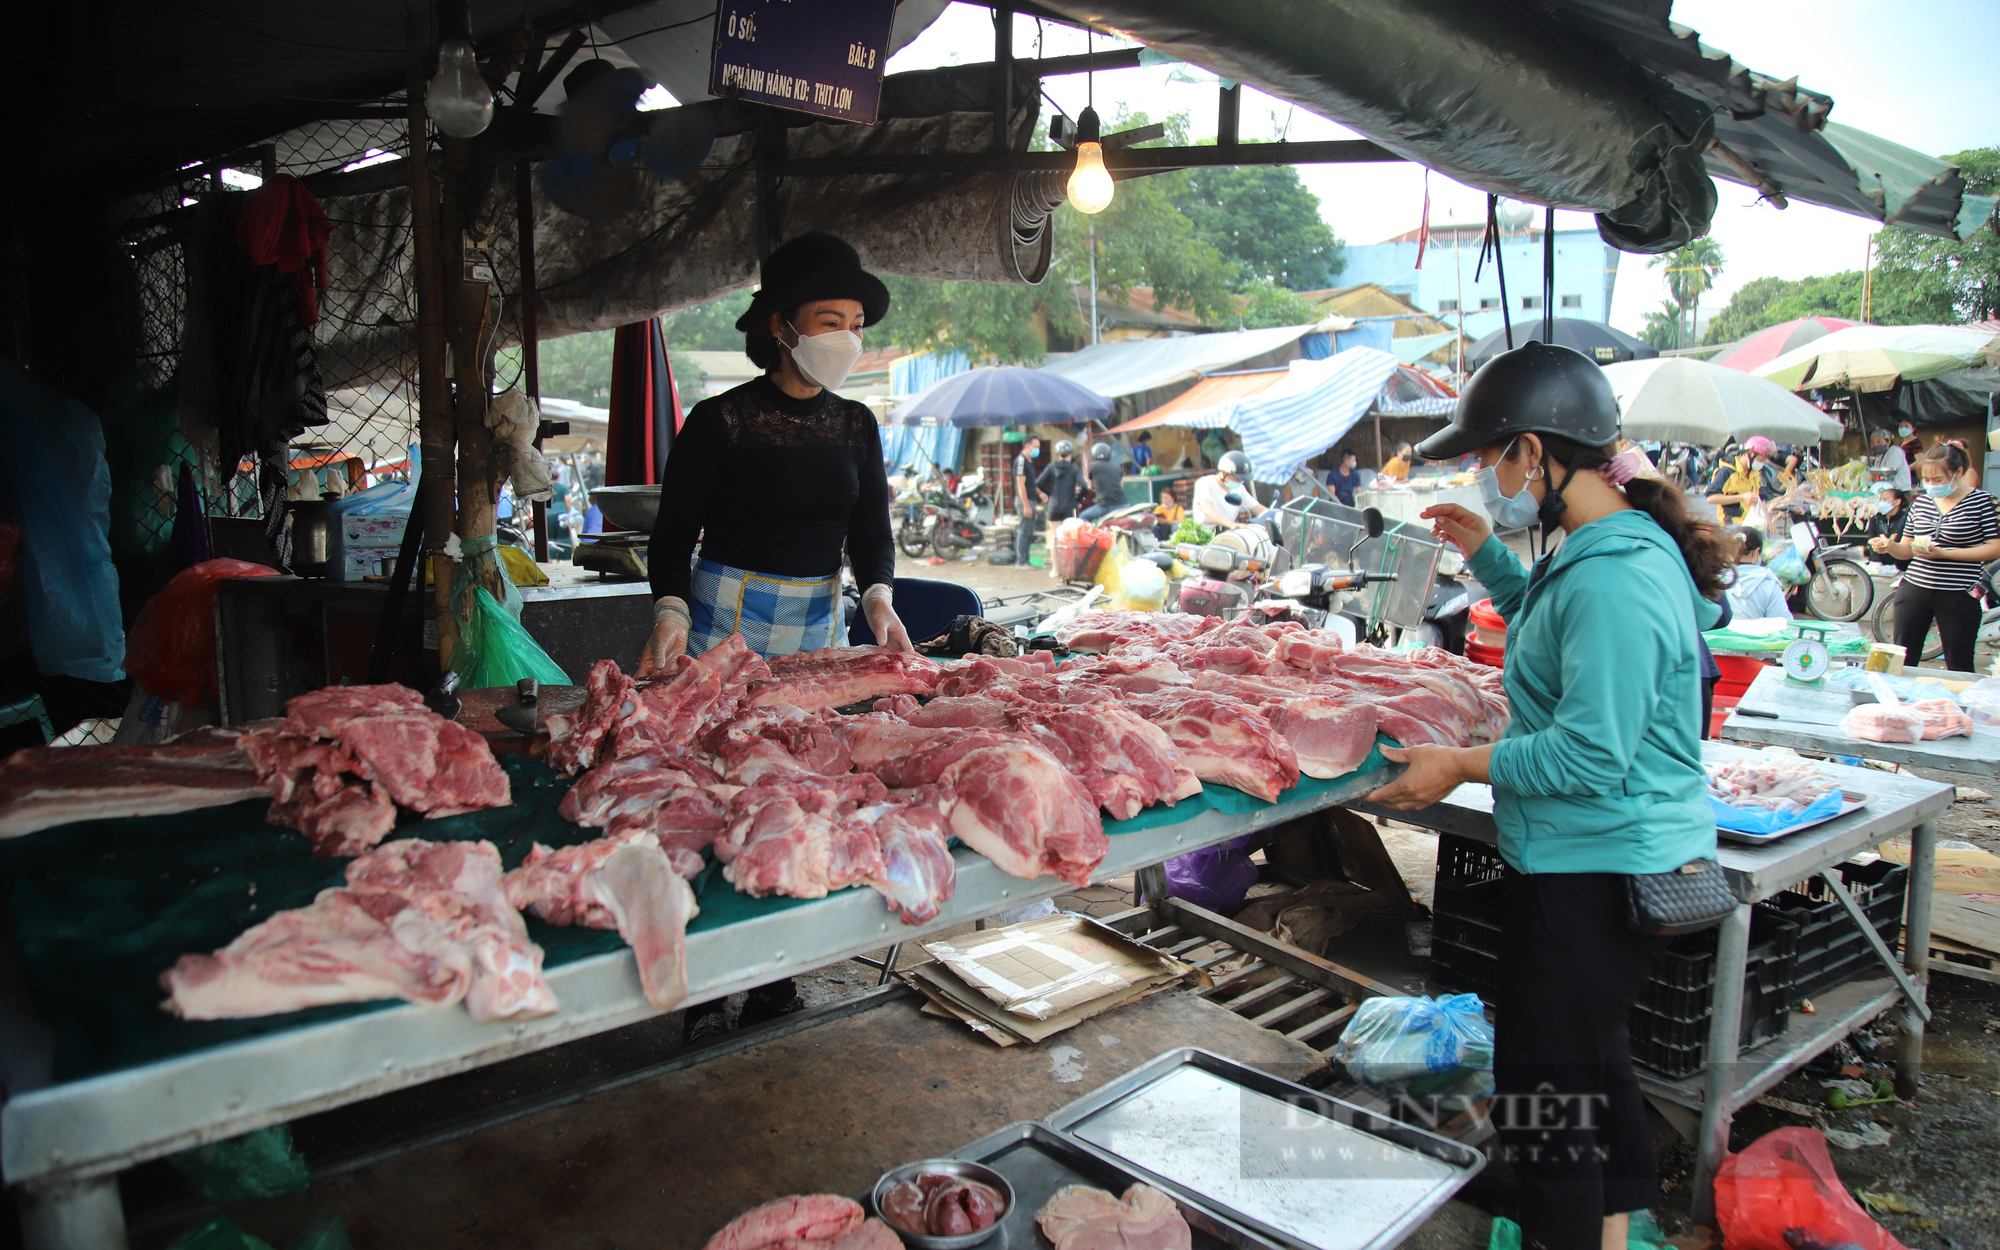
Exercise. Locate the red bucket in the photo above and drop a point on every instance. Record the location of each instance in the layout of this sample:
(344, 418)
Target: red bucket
(1739, 670)
(1493, 657)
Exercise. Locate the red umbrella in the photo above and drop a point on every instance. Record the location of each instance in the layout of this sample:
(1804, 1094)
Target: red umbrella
(1772, 342)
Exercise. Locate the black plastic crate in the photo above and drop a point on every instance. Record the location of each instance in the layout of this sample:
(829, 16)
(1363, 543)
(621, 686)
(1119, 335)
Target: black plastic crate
(1832, 951)
(1669, 1025)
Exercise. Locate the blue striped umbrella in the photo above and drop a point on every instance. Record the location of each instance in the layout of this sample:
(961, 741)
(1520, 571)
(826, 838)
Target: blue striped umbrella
(1002, 395)
(1298, 419)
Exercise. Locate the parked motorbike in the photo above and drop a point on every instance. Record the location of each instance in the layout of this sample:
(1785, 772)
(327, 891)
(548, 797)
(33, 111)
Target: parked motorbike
(1324, 589)
(1882, 625)
(952, 528)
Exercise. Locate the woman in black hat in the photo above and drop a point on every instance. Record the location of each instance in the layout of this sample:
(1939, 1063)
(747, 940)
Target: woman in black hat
(776, 477)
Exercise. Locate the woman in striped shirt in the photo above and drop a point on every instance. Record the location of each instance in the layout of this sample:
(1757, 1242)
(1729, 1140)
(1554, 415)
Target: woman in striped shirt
(1953, 529)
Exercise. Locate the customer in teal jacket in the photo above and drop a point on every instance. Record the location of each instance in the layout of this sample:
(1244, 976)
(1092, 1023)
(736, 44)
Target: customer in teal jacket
(1598, 776)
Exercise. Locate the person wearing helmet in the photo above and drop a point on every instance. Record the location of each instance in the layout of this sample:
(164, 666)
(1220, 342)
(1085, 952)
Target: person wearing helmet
(1597, 778)
(1107, 481)
(1231, 477)
(1746, 481)
(1060, 483)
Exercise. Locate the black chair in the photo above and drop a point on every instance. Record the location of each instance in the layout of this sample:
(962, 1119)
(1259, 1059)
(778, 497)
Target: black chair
(926, 606)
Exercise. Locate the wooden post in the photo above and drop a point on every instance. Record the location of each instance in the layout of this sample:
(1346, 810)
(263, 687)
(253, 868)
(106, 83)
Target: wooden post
(436, 434)
(465, 318)
(531, 367)
(1379, 461)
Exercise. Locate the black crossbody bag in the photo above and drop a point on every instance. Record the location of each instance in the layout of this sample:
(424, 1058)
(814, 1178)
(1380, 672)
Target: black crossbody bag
(1690, 898)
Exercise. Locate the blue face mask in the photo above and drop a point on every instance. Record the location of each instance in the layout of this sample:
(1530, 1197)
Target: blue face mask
(1940, 490)
(1509, 512)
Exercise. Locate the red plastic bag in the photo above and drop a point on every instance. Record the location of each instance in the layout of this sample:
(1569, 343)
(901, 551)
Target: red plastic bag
(10, 552)
(1785, 1179)
(171, 647)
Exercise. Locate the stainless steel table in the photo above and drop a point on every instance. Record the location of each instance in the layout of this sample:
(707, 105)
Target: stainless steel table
(1778, 712)
(65, 1143)
(1899, 803)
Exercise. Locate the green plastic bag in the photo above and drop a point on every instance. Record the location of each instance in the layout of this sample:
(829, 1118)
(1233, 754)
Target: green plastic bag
(221, 1233)
(494, 649)
(1643, 1233)
(260, 1164)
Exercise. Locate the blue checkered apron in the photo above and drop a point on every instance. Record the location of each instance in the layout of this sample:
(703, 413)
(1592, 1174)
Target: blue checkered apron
(776, 615)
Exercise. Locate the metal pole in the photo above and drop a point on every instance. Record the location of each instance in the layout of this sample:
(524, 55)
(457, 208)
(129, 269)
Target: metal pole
(1090, 236)
(73, 1216)
(1725, 1022)
(531, 354)
(1916, 956)
(1003, 77)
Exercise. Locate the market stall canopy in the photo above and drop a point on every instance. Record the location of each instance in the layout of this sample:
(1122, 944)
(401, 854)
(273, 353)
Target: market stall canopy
(1002, 395)
(1407, 392)
(1417, 346)
(1307, 411)
(1954, 396)
(1682, 400)
(1772, 342)
(1212, 391)
(1135, 365)
(1410, 392)
(1875, 358)
(1593, 338)
(1606, 106)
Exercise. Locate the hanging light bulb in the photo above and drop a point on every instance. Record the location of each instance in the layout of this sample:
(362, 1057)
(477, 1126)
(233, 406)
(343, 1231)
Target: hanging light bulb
(458, 98)
(1090, 187)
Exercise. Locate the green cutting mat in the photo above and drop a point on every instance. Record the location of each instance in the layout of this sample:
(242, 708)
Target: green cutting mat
(97, 910)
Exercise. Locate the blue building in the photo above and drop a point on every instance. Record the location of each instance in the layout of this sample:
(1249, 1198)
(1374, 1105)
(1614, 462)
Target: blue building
(1586, 268)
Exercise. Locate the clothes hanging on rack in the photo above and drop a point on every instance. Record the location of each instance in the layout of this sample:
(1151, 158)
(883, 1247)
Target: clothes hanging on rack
(281, 224)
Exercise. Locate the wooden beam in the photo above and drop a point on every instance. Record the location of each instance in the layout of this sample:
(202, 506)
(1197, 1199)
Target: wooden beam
(1280, 954)
(436, 431)
(1125, 160)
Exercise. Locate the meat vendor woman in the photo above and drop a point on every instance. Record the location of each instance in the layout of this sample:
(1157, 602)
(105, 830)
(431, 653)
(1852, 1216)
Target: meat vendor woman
(775, 477)
(1597, 780)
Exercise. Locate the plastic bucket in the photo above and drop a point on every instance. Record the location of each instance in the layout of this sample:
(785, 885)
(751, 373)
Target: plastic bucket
(1739, 670)
(1493, 657)
(1487, 626)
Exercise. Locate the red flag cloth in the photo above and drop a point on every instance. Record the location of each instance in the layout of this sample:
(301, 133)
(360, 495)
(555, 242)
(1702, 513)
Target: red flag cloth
(645, 406)
(1424, 228)
(282, 224)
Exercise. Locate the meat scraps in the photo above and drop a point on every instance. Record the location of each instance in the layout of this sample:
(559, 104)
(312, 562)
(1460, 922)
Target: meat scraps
(1102, 631)
(630, 886)
(1777, 783)
(1078, 1217)
(942, 1205)
(422, 921)
(345, 758)
(41, 787)
(805, 1222)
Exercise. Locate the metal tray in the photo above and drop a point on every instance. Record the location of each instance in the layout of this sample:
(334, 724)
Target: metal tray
(1850, 803)
(1037, 1161)
(1295, 1168)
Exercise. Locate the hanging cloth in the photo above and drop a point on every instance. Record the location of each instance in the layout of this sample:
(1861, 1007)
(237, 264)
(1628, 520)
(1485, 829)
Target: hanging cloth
(645, 406)
(189, 544)
(281, 224)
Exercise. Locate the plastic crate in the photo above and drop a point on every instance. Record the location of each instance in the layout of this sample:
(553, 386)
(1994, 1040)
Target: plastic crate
(1832, 951)
(1669, 1025)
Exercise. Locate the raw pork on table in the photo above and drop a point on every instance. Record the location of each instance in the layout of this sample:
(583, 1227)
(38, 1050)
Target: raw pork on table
(1078, 1217)
(805, 1222)
(41, 787)
(612, 883)
(423, 921)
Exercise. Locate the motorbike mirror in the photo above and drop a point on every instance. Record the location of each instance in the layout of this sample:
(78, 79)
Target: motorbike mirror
(1372, 518)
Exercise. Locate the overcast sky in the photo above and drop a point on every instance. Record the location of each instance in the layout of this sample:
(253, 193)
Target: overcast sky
(1918, 72)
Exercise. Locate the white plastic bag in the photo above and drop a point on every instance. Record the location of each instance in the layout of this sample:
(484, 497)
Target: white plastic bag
(1429, 1046)
(1982, 701)
(1884, 722)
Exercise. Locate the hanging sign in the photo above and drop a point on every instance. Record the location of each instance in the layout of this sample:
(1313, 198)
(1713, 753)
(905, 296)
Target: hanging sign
(812, 56)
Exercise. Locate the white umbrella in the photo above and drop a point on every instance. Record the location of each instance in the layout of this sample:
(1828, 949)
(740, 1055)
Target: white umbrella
(1682, 400)
(1874, 358)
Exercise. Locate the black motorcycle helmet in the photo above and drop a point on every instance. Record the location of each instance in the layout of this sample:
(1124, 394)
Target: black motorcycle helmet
(1536, 389)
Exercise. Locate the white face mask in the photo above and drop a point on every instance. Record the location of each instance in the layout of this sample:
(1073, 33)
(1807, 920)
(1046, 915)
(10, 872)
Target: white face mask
(826, 359)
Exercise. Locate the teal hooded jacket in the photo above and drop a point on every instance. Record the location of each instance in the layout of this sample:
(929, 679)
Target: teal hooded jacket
(1600, 767)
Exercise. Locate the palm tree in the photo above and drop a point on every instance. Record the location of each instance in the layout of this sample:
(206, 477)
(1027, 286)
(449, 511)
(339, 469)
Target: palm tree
(1663, 327)
(1691, 270)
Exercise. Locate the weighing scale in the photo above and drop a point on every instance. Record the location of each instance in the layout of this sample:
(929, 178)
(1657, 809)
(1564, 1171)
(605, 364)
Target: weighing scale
(1806, 659)
(615, 556)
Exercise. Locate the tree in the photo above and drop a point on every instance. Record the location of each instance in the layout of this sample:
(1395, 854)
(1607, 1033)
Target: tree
(1265, 305)
(988, 321)
(1662, 331)
(577, 367)
(709, 327)
(1691, 270)
(1763, 302)
(1922, 280)
(1264, 218)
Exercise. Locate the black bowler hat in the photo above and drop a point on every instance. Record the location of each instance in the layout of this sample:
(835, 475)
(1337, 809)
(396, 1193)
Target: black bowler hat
(813, 267)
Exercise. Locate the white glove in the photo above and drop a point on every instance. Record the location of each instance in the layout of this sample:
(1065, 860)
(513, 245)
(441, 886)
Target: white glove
(670, 636)
(881, 616)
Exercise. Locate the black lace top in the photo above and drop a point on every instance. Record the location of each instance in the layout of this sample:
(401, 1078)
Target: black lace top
(775, 485)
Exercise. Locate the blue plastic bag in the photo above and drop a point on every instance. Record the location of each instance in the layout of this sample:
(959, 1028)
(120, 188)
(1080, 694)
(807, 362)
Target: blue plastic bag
(1764, 820)
(1431, 1047)
(1216, 878)
(55, 479)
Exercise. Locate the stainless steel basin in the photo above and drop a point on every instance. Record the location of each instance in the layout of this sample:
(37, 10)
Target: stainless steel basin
(628, 507)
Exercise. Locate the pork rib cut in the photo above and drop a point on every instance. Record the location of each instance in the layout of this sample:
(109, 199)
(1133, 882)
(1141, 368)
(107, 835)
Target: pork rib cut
(838, 676)
(41, 787)
(1103, 631)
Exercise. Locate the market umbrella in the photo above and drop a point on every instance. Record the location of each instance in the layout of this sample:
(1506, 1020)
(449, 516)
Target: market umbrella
(1875, 358)
(1772, 342)
(1682, 400)
(1002, 395)
(1593, 338)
